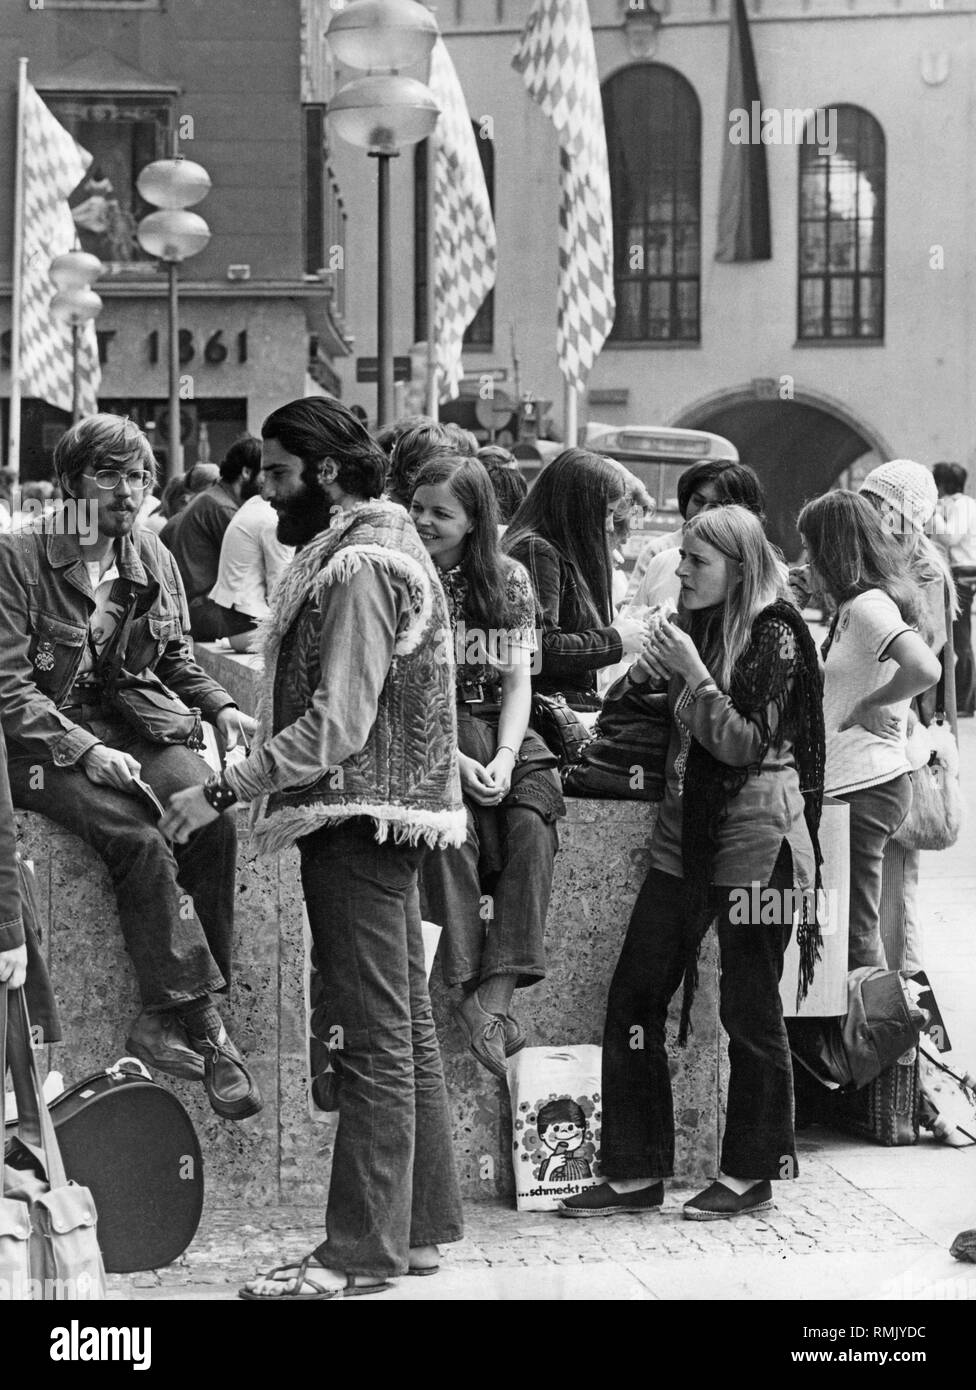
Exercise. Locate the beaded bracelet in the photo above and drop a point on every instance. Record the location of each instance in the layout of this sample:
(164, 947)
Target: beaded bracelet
(702, 687)
(218, 794)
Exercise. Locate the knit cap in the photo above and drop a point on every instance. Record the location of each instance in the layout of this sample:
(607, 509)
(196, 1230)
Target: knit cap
(907, 491)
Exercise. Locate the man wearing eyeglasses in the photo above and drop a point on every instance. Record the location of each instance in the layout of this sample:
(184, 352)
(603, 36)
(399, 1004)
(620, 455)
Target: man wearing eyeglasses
(77, 586)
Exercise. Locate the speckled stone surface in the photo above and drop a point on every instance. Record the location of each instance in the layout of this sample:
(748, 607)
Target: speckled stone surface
(282, 1154)
(601, 865)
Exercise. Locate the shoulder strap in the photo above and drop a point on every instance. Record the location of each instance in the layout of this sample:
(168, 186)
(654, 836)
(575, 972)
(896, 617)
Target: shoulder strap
(33, 1118)
(109, 662)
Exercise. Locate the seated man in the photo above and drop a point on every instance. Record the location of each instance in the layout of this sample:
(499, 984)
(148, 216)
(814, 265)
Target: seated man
(76, 584)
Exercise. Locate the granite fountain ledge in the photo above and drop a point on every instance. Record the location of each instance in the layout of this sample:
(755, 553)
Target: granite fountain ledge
(281, 1155)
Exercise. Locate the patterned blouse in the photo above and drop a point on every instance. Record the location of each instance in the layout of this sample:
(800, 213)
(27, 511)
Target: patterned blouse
(479, 652)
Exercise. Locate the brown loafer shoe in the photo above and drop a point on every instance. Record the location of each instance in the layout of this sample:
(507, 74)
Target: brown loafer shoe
(485, 1033)
(231, 1089)
(718, 1202)
(161, 1042)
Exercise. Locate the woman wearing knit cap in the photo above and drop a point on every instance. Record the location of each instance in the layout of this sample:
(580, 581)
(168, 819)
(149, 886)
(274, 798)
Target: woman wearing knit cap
(875, 663)
(905, 495)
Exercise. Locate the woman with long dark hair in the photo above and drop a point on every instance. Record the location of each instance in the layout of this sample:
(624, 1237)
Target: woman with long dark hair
(511, 793)
(875, 662)
(562, 534)
(741, 811)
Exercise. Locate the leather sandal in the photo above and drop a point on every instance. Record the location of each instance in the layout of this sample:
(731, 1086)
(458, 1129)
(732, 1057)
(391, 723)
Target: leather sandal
(292, 1290)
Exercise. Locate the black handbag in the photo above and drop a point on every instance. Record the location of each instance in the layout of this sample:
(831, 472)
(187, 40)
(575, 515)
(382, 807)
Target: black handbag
(625, 759)
(143, 701)
(132, 1144)
(559, 727)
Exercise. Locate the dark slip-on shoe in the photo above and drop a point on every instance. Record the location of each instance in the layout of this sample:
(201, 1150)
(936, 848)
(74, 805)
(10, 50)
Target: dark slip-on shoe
(718, 1202)
(604, 1201)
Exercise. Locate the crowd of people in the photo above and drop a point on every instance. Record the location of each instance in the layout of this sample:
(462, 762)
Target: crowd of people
(412, 600)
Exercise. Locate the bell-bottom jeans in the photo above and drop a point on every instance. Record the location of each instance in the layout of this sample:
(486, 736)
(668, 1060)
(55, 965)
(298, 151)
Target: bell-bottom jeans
(638, 1110)
(393, 1185)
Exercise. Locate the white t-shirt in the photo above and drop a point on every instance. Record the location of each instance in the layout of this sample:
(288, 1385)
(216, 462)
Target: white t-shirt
(954, 528)
(856, 666)
(251, 559)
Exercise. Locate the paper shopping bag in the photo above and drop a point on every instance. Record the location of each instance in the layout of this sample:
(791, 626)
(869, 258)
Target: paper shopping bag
(555, 1094)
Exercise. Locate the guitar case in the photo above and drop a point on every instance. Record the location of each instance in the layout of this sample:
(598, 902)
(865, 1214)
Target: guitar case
(132, 1143)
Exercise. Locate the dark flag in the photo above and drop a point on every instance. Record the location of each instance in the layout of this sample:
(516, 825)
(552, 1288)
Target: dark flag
(743, 214)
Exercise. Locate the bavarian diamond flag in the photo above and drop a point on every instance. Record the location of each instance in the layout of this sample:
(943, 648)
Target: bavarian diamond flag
(54, 165)
(557, 60)
(463, 243)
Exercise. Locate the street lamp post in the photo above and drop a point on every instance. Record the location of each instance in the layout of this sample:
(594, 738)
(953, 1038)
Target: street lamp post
(172, 235)
(381, 113)
(75, 304)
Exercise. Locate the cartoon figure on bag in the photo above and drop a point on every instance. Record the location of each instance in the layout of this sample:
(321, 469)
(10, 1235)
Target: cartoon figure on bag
(561, 1126)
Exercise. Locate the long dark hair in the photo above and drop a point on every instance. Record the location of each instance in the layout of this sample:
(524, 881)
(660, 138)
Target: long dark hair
(568, 508)
(483, 565)
(852, 551)
(319, 427)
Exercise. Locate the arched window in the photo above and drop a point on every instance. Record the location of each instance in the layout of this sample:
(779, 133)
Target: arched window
(653, 124)
(842, 232)
(480, 332)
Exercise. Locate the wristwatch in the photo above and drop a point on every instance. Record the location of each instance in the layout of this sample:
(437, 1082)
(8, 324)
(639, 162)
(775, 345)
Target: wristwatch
(218, 794)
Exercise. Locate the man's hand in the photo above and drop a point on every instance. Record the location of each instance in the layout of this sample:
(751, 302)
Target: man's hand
(235, 727)
(187, 811)
(108, 767)
(13, 968)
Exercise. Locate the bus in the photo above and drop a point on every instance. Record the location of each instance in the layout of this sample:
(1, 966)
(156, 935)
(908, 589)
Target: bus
(658, 456)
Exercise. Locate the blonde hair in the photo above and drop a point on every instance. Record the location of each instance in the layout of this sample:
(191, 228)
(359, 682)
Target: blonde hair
(738, 535)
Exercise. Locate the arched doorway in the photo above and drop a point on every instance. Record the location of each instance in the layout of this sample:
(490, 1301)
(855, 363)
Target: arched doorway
(799, 447)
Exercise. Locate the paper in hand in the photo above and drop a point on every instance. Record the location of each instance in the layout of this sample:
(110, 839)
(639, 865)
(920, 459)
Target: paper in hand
(146, 795)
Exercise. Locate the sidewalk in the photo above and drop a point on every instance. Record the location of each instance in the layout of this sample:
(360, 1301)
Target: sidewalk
(861, 1221)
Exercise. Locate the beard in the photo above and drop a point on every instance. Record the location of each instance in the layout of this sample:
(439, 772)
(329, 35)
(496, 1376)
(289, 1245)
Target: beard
(116, 518)
(304, 515)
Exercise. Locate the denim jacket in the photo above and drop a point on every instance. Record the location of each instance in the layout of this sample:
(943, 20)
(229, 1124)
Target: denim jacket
(46, 603)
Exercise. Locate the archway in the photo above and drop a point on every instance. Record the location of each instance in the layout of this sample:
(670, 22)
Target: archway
(798, 447)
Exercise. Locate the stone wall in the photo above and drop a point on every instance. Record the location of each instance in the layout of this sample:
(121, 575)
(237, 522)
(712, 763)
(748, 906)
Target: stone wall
(281, 1154)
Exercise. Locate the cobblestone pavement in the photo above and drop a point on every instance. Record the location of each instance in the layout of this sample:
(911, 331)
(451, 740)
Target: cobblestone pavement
(824, 1213)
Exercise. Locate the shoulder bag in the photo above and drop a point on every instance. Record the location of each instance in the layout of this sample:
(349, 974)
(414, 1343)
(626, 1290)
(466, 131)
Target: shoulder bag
(559, 727)
(625, 759)
(143, 701)
(48, 1226)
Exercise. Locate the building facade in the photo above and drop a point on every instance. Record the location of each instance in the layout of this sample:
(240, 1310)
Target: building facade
(854, 342)
(240, 87)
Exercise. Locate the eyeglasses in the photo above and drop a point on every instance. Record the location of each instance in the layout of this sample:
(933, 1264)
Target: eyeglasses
(108, 479)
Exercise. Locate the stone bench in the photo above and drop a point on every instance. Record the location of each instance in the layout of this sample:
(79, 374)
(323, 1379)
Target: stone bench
(281, 1154)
